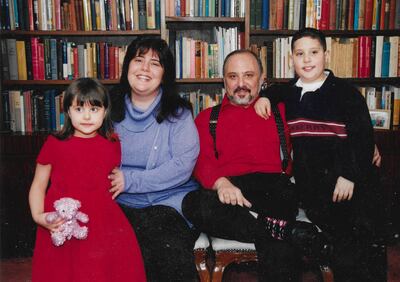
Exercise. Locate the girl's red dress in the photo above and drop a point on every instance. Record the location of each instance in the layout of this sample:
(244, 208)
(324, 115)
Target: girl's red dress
(80, 169)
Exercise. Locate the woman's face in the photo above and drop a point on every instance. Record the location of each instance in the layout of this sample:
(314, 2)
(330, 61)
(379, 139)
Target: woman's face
(145, 74)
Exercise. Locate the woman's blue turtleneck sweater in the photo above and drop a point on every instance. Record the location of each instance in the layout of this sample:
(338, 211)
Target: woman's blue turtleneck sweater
(157, 158)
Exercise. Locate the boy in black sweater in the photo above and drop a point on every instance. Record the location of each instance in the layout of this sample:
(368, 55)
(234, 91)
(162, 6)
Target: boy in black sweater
(333, 147)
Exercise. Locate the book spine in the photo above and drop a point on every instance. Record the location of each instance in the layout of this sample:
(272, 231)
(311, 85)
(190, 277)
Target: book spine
(30, 15)
(5, 105)
(35, 57)
(93, 15)
(392, 13)
(150, 14)
(368, 10)
(4, 58)
(53, 59)
(106, 61)
(396, 106)
(12, 58)
(142, 14)
(21, 60)
(41, 75)
(385, 59)
(47, 58)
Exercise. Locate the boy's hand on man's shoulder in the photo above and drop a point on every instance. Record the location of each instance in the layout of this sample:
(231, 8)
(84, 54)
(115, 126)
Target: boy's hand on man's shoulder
(263, 107)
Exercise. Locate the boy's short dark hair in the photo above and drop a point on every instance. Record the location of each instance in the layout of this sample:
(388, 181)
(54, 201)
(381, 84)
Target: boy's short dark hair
(312, 33)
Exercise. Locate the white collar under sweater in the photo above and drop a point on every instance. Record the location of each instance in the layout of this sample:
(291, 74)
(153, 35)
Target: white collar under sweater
(310, 87)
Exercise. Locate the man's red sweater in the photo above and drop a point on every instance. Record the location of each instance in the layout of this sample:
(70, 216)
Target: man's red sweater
(246, 143)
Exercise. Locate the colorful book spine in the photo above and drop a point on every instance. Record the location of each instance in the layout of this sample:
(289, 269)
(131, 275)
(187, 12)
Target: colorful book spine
(385, 59)
(21, 60)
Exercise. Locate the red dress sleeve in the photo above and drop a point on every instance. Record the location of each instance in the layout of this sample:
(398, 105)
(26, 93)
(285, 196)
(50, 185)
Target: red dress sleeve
(46, 154)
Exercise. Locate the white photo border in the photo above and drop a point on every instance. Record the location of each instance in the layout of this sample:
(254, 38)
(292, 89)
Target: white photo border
(380, 118)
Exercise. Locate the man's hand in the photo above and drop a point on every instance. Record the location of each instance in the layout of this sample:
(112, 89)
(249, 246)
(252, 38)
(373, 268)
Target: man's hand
(263, 107)
(117, 182)
(343, 190)
(229, 193)
(376, 159)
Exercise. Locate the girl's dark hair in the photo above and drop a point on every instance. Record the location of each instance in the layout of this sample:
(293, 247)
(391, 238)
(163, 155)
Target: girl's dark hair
(86, 90)
(312, 33)
(171, 102)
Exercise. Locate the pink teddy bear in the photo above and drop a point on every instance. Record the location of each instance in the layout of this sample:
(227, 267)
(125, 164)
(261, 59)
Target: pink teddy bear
(67, 209)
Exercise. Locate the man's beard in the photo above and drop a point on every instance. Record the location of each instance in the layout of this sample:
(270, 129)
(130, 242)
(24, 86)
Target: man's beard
(245, 101)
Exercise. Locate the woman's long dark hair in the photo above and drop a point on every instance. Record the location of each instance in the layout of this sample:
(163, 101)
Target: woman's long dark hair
(171, 102)
(86, 90)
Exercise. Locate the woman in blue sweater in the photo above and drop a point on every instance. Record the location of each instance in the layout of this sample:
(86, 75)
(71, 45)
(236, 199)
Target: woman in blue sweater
(159, 150)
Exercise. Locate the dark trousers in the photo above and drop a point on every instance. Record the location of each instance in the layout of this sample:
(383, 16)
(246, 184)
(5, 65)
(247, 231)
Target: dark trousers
(166, 242)
(278, 261)
(356, 228)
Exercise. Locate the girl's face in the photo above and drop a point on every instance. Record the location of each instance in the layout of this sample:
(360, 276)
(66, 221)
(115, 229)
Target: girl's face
(86, 119)
(145, 75)
(309, 59)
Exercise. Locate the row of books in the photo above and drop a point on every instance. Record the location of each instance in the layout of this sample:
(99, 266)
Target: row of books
(360, 57)
(205, 8)
(75, 15)
(379, 98)
(41, 110)
(201, 101)
(197, 58)
(32, 110)
(325, 14)
(58, 59)
(386, 97)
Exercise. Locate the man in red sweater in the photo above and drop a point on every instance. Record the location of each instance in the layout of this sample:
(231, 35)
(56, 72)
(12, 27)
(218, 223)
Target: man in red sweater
(238, 173)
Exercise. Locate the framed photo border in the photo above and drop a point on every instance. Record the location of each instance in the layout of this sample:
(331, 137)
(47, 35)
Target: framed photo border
(386, 114)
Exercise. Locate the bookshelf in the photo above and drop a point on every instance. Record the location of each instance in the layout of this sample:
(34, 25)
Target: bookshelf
(19, 150)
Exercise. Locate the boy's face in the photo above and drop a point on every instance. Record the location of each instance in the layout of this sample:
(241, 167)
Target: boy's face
(309, 59)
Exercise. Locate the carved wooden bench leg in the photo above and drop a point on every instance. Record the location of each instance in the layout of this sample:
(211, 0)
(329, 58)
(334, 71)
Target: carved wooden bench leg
(224, 258)
(200, 256)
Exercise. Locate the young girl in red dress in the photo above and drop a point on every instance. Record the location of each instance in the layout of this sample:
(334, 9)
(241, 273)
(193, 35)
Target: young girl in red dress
(77, 161)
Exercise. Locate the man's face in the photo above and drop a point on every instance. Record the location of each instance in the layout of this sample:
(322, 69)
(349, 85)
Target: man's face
(242, 79)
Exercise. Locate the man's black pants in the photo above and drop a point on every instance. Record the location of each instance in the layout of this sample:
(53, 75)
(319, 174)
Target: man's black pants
(278, 261)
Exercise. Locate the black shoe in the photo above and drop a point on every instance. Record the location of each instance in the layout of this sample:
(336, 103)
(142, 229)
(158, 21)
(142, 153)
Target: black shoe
(311, 243)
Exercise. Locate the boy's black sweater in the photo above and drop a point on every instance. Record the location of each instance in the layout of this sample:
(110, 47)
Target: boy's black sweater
(331, 133)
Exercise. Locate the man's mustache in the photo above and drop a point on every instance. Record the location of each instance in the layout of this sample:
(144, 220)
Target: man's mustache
(239, 88)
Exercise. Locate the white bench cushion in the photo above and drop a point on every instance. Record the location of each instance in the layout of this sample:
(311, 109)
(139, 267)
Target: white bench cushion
(202, 242)
(219, 244)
